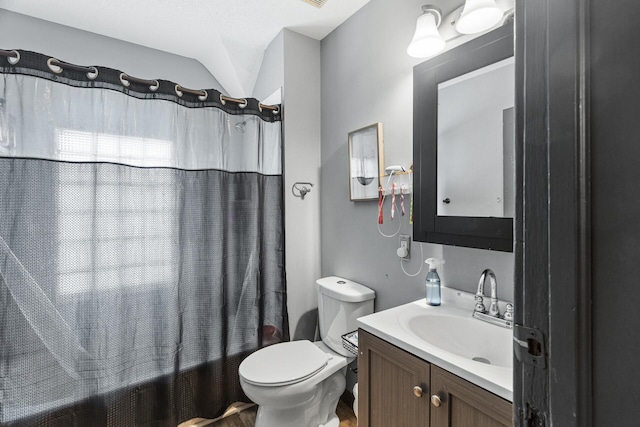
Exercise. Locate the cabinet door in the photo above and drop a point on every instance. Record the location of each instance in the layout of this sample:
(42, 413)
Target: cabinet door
(462, 404)
(387, 377)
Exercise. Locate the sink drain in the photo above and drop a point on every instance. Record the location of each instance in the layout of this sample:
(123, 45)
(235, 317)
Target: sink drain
(482, 360)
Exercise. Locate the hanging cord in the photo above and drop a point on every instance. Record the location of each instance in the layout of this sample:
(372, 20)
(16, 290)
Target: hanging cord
(421, 258)
(390, 235)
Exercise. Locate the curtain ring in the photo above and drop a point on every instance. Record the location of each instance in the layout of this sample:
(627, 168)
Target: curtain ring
(178, 91)
(12, 60)
(203, 97)
(93, 74)
(244, 104)
(275, 110)
(222, 101)
(154, 87)
(124, 81)
(54, 68)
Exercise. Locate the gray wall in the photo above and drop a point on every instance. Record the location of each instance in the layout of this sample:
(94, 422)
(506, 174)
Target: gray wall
(292, 61)
(366, 78)
(80, 47)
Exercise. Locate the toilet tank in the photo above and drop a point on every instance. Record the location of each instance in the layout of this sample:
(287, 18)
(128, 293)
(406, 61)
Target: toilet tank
(340, 303)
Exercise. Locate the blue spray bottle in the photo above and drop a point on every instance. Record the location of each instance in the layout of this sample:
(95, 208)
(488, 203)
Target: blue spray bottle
(433, 281)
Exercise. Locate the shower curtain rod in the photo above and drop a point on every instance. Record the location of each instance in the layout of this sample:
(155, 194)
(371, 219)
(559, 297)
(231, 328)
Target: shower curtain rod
(56, 66)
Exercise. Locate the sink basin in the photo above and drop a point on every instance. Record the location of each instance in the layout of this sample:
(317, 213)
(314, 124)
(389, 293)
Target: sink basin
(466, 337)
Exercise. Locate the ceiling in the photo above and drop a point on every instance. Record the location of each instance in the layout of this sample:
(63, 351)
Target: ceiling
(228, 37)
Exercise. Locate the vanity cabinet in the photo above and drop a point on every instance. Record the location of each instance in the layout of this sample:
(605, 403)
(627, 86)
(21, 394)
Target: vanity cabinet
(396, 388)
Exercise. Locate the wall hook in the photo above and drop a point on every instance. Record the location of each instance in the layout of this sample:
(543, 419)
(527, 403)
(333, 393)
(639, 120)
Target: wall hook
(301, 188)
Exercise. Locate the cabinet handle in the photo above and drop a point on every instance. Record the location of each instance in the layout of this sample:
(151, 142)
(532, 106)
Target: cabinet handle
(417, 391)
(435, 400)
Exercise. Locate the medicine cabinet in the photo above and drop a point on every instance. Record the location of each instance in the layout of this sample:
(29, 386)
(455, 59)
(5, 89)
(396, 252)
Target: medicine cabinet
(464, 144)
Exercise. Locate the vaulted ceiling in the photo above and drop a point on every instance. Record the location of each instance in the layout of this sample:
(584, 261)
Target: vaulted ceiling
(228, 37)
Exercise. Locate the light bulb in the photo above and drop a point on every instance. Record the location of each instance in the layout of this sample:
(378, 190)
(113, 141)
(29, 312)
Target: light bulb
(426, 40)
(478, 16)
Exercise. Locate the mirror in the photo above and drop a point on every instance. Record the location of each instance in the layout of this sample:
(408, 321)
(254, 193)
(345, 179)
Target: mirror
(464, 146)
(476, 138)
(365, 162)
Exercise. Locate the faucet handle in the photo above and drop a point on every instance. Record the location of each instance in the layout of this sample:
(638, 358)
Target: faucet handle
(480, 308)
(508, 315)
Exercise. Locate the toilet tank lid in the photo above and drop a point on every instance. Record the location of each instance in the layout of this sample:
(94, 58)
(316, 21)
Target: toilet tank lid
(344, 289)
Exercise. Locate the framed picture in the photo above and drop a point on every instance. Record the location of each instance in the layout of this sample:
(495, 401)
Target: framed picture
(366, 162)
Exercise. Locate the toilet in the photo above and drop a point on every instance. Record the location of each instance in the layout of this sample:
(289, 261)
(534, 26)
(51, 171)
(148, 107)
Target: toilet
(298, 383)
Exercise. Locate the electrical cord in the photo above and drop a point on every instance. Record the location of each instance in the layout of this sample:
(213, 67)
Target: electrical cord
(391, 235)
(421, 258)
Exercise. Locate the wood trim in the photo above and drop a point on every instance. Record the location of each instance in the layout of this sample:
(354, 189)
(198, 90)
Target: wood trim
(553, 252)
(530, 392)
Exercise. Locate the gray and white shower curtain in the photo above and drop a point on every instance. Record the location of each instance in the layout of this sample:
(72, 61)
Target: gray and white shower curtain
(141, 247)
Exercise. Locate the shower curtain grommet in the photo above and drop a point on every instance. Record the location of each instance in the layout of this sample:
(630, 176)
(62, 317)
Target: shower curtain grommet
(274, 109)
(93, 74)
(203, 97)
(54, 68)
(12, 60)
(124, 81)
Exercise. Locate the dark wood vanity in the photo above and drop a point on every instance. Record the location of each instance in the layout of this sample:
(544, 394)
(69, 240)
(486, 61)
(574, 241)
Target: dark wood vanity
(396, 388)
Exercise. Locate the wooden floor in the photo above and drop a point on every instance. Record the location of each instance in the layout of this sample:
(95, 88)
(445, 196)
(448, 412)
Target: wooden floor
(247, 418)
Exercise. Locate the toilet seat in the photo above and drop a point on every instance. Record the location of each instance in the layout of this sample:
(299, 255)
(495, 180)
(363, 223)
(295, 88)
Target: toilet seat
(283, 364)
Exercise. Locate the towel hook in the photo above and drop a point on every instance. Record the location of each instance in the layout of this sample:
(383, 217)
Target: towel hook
(302, 191)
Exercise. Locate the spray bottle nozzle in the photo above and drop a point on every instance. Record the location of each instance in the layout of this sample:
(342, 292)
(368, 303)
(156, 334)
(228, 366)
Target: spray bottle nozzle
(434, 263)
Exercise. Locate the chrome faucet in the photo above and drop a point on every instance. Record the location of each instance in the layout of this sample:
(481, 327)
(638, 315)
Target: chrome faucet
(493, 315)
(494, 311)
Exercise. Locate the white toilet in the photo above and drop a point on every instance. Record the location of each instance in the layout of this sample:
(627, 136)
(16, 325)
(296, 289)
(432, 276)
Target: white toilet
(298, 383)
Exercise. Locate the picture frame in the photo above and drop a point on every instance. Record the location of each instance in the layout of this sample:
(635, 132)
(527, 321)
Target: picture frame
(366, 162)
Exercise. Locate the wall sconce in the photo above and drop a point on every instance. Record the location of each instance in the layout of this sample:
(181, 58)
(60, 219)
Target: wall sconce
(478, 16)
(475, 16)
(427, 40)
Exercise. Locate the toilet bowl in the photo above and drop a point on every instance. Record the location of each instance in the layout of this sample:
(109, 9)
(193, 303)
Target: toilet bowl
(298, 383)
(286, 401)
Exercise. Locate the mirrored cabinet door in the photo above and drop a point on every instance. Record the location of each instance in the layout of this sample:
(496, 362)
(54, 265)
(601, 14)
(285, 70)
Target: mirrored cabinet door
(464, 144)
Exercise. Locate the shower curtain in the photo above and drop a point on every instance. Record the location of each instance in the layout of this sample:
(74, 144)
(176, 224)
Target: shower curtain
(141, 246)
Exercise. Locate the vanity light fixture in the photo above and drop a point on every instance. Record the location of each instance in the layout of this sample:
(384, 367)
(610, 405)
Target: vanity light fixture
(478, 16)
(427, 40)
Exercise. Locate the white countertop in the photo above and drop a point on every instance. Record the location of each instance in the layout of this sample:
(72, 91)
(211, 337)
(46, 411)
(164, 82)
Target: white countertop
(386, 325)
